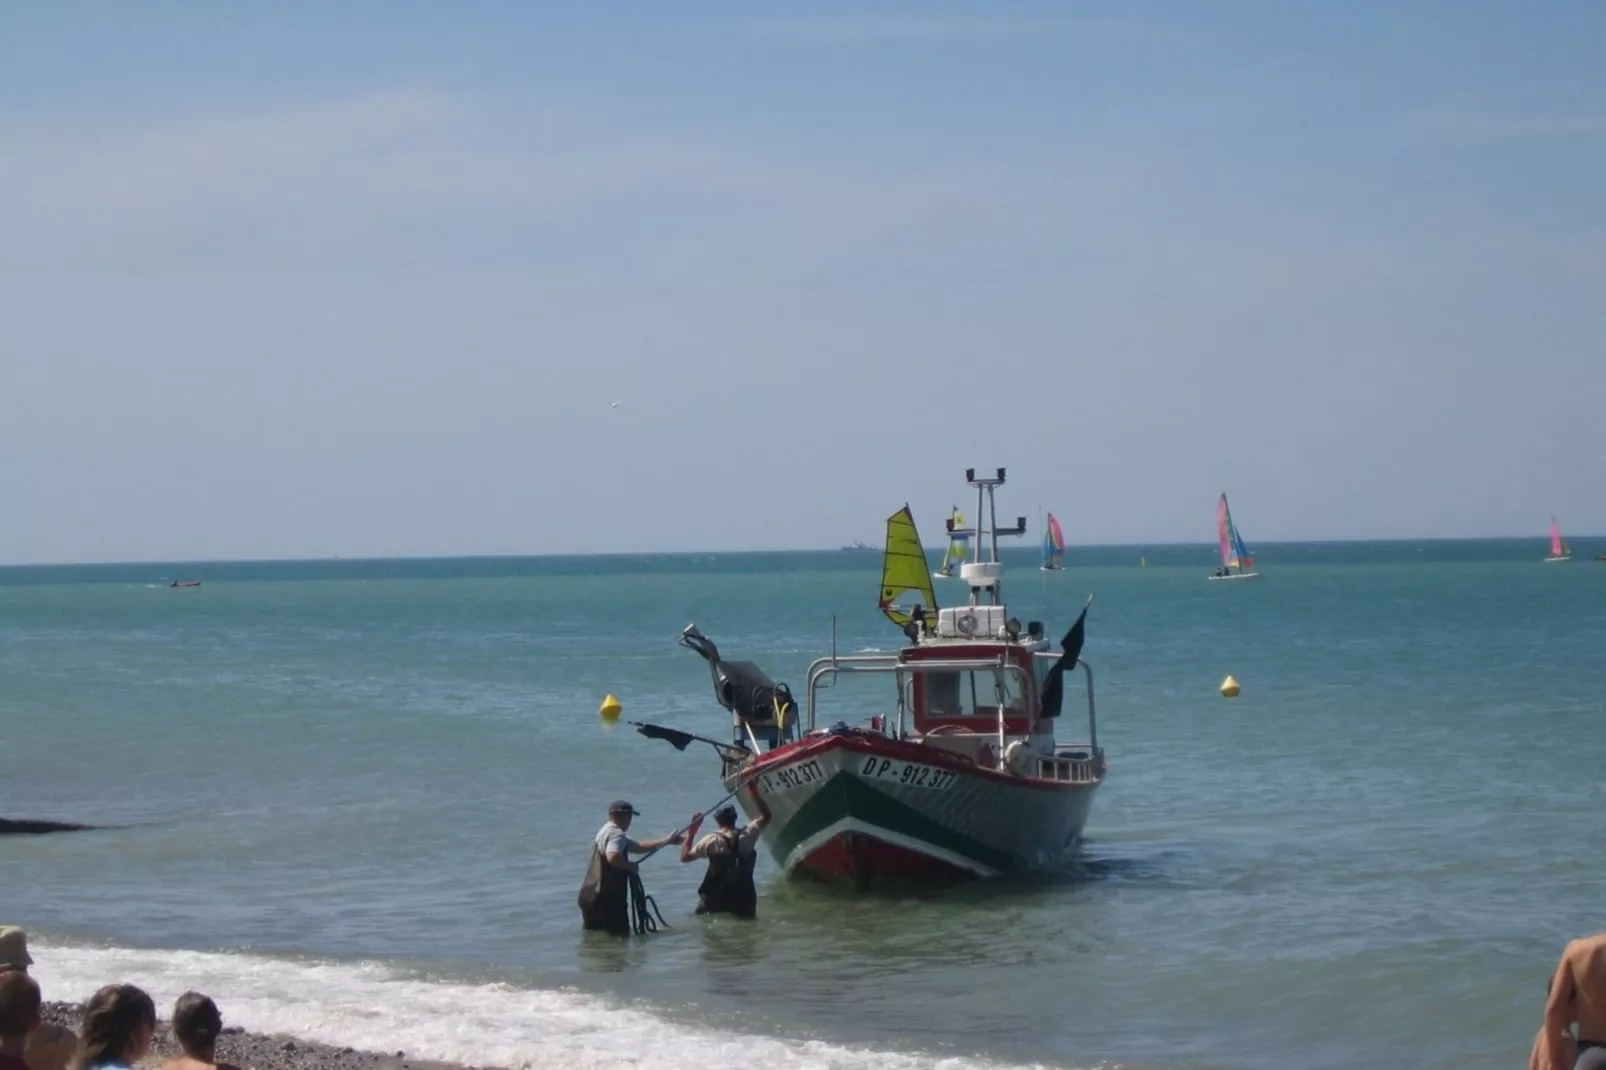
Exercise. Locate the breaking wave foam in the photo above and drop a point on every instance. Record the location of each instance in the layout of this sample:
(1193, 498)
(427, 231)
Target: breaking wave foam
(375, 1008)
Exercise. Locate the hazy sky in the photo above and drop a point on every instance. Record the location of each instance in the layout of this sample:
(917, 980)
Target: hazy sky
(306, 279)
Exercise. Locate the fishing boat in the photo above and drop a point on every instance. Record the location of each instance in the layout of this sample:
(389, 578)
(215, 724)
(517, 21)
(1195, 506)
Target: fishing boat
(1234, 555)
(1053, 546)
(185, 583)
(958, 546)
(959, 775)
(1559, 551)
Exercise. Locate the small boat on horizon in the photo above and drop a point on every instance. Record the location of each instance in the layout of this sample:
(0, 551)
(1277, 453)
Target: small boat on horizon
(1559, 551)
(1234, 555)
(1053, 546)
(185, 583)
(857, 545)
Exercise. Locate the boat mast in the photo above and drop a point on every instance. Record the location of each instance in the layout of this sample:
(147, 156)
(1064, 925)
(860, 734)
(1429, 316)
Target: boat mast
(987, 524)
(1232, 537)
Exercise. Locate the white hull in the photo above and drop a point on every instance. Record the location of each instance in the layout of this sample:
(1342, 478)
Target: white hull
(1557, 560)
(1236, 576)
(835, 813)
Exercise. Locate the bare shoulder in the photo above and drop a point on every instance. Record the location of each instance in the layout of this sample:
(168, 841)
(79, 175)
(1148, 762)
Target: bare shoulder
(50, 1046)
(1585, 949)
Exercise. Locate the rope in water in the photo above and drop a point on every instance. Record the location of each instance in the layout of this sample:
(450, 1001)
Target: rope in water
(644, 915)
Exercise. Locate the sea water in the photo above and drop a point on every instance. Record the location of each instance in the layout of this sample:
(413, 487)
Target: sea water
(353, 801)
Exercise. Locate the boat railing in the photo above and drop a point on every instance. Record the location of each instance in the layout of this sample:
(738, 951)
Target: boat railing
(829, 668)
(1070, 770)
(824, 669)
(1092, 716)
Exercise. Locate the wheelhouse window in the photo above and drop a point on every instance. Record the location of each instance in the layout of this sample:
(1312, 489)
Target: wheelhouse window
(971, 694)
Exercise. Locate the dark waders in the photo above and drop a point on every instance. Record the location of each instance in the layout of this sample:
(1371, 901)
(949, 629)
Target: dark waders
(728, 887)
(604, 897)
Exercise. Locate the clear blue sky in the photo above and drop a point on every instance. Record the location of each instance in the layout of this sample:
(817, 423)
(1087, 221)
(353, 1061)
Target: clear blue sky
(305, 279)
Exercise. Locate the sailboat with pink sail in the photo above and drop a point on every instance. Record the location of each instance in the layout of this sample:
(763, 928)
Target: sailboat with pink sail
(1559, 551)
(1234, 554)
(1053, 546)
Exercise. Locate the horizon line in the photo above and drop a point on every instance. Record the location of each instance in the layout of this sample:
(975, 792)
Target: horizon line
(939, 548)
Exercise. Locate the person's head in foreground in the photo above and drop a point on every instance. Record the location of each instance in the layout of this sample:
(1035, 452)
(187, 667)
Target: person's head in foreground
(19, 1011)
(119, 1022)
(197, 1023)
(14, 950)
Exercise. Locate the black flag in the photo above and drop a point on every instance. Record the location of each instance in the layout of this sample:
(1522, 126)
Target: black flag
(1054, 685)
(681, 740)
(673, 736)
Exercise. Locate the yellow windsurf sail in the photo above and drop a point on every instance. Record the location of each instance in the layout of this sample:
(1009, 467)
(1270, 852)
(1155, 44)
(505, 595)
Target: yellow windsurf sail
(905, 576)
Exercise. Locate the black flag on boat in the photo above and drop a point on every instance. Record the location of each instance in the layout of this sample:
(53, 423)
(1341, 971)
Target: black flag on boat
(672, 736)
(681, 740)
(1054, 685)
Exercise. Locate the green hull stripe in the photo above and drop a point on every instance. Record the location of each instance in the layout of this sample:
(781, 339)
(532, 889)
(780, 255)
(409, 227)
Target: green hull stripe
(845, 795)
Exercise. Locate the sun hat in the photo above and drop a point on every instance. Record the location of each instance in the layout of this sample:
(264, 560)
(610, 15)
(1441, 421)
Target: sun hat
(14, 948)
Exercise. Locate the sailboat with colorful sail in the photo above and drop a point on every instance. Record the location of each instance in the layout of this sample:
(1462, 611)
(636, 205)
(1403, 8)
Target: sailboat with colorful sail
(905, 576)
(1053, 546)
(958, 546)
(1559, 551)
(1234, 555)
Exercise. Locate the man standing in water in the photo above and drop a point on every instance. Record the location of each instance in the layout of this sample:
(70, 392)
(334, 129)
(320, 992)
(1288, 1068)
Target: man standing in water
(605, 895)
(727, 887)
(1577, 994)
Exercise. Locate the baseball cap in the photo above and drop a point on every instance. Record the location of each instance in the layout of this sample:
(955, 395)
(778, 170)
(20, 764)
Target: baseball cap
(725, 815)
(619, 806)
(14, 948)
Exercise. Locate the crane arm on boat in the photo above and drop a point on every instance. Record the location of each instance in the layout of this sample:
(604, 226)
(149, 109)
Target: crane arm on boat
(740, 686)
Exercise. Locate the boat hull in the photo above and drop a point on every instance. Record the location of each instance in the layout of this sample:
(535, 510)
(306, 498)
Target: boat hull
(1558, 560)
(864, 809)
(1237, 576)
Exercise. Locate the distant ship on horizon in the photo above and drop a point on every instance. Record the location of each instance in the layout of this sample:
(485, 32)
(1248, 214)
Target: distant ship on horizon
(857, 545)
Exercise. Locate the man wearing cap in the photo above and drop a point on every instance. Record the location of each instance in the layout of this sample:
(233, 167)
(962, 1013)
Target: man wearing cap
(604, 897)
(727, 887)
(49, 1046)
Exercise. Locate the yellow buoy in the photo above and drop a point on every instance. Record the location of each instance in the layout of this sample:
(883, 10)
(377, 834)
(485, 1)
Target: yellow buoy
(1229, 687)
(610, 708)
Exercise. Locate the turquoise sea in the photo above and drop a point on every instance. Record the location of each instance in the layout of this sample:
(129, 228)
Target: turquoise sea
(352, 800)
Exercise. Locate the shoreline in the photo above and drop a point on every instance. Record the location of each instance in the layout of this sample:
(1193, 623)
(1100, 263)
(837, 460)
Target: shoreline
(259, 1051)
